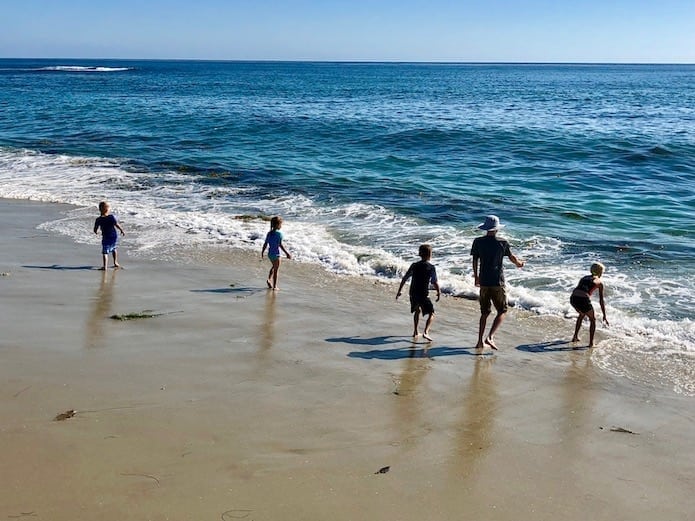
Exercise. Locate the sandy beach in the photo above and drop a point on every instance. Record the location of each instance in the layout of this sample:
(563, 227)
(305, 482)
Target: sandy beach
(311, 403)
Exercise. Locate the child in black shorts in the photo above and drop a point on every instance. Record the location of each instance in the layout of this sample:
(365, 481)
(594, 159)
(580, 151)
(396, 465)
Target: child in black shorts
(423, 274)
(581, 301)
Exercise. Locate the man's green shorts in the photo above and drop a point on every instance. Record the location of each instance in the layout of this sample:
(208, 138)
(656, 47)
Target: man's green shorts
(492, 295)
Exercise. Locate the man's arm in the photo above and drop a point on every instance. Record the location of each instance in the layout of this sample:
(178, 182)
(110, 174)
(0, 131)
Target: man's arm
(476, 276)
(517, 262)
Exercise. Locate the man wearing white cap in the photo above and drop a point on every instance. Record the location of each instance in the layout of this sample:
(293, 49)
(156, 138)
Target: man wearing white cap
(488, 254)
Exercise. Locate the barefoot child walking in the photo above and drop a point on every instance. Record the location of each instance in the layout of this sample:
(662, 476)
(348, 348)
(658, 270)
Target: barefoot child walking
(109, 237)
(273, 242)
(423, 274)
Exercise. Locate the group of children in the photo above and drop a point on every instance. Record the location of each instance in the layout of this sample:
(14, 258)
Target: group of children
(488, 253)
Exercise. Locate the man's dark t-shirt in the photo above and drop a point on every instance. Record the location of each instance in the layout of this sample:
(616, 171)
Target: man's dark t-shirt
(491, 251)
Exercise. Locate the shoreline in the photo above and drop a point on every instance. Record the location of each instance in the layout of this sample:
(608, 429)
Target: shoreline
(239, 401)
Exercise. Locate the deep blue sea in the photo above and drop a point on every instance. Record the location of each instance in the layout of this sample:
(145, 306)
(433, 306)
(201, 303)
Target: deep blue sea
(365, 161)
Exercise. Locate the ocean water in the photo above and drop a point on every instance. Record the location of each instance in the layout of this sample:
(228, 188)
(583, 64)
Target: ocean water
(365, 161)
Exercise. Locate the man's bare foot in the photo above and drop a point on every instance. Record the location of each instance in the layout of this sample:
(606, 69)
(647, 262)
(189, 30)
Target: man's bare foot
(489, 341)
(416, 335)
(427, 336)
(575, 339)
(590, 346)
(479, 345)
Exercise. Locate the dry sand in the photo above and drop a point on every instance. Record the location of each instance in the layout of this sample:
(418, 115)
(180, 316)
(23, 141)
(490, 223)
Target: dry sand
(242, 403)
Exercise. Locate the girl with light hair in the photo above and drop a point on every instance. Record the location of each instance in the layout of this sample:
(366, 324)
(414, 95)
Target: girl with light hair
(581, 301)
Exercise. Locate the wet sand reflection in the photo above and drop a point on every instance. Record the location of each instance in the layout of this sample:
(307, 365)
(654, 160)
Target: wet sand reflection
(103, 301)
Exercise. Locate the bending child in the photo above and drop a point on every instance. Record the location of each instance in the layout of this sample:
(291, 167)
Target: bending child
(581, 301)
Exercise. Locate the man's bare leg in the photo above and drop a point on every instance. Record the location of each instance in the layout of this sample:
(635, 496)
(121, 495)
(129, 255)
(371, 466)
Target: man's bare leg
(495, 326)
(481, 330)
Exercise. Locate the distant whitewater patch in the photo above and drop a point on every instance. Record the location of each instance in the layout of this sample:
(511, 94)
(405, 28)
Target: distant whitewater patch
(81, 68)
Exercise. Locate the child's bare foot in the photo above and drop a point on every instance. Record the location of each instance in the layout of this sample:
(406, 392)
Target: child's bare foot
(575, 339)
(590, 346)
(415, 335)
(102, 269)
(427, 336)
(270, 286)
(489, 341)
(479, 345)
(116, 266)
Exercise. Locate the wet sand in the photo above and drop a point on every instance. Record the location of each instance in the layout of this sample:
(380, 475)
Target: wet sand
(236, 402)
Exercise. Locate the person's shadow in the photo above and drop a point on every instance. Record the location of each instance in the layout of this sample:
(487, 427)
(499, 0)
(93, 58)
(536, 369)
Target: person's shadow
(414, 352)
(238, 292)
(553, 346)
(59, 267)
(374, 341)
(410, 349)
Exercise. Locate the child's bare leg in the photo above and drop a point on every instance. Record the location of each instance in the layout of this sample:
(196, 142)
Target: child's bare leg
(270, 277)
(416, 321)
(577, 326)
(275, 270)
(115, 259)
(104, 261)
(592, 327)
(428, 324)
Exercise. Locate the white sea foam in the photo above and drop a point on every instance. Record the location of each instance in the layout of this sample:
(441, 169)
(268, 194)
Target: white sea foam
(82, 68)
(164, 212)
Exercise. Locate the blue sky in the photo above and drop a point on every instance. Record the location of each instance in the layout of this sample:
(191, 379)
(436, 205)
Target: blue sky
(389, 30)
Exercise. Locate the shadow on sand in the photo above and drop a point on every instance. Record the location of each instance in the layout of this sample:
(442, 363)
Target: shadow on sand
(414, 352)
(411, 349)
(554, 346)
(374, 341)
(59, 267)
(239, 292)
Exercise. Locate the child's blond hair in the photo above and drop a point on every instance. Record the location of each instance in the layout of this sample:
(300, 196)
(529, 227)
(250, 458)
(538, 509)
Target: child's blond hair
(597, 269)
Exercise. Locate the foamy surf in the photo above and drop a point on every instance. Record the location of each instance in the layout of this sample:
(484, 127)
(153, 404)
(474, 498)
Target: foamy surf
(166, 212)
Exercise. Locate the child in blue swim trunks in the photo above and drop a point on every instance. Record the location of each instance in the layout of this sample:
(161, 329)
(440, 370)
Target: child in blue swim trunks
(109, 238)
(273, 242)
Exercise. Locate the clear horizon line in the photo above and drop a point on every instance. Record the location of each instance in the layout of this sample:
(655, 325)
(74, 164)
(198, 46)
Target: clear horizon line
(365, 61)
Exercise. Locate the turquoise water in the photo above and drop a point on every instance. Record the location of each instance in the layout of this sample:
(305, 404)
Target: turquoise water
(366, 161)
